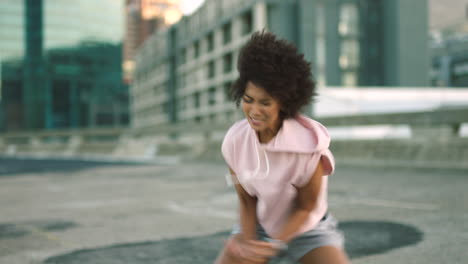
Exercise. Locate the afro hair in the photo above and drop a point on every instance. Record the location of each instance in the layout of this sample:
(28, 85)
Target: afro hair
(276, 66)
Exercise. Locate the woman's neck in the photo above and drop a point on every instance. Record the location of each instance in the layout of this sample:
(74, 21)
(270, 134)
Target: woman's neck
(268, 134)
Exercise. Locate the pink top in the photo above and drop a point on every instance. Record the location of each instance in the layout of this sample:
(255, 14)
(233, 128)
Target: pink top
(272, 171)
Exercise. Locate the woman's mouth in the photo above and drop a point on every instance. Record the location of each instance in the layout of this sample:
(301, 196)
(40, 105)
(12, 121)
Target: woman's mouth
(255, 122)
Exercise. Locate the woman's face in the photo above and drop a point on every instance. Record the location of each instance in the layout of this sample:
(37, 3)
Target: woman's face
(261, 110)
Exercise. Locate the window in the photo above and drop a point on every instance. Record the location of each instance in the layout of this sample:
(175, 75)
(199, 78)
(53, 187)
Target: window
(196, 49)
(182, 57)
(227, 63)
(211, 69)
(196, 100)
(212, 96)
(349, 20)
(349, 78)
(320, 44)
(227, 33)
(349, 58)
(210, 42)
(227, 91)
(247, 23)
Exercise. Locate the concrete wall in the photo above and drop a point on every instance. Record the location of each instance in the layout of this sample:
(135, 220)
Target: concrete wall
(435, 142)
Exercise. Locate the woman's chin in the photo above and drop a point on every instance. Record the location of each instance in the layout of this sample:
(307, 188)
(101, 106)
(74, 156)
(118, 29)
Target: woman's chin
(257, 128)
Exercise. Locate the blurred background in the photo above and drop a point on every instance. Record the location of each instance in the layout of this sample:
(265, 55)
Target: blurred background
(134, 75)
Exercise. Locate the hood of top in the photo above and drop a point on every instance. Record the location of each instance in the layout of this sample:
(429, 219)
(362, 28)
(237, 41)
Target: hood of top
(300, 135)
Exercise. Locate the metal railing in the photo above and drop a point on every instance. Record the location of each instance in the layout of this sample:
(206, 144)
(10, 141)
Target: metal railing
(202, 139)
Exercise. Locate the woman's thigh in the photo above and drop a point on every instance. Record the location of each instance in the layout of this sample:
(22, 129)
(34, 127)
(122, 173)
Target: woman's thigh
(325, 255)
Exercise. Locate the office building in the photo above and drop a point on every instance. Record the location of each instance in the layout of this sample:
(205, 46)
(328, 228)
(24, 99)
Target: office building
(65, 23)
(184, 72)
(142, 18)
(29, 29)
(82, 88)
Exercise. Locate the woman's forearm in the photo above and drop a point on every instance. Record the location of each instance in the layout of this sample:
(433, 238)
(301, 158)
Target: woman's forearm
(248, 218)
(297, 219)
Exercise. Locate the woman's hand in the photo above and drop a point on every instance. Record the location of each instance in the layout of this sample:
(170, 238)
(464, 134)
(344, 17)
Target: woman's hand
(249, 251)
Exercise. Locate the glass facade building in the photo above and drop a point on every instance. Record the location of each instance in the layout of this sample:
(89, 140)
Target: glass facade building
(65, 23)
(40, 36)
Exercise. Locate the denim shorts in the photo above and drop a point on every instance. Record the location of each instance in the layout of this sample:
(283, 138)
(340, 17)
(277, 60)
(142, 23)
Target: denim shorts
(326, 233)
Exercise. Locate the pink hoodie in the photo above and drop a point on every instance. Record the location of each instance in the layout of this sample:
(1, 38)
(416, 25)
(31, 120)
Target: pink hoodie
(272, 171)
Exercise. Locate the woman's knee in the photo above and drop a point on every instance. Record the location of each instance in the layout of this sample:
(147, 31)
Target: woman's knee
(325, 254)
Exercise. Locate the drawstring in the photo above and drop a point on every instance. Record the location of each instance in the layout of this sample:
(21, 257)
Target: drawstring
(267, 162)
(257, 170)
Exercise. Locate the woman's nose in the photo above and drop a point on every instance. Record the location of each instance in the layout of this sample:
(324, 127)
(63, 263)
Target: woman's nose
(255, 110)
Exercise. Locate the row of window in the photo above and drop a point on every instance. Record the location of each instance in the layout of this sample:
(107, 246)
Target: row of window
(228, 116)
(208, 72)
(212, 96)
(348, 29)
(158, 115)
(209, 39)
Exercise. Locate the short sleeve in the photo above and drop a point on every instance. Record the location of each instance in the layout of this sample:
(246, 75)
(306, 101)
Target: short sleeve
(328, 163)
(227, 149)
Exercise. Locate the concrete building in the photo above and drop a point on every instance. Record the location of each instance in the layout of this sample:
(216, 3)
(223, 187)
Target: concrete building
(143, 18)
(183, 73)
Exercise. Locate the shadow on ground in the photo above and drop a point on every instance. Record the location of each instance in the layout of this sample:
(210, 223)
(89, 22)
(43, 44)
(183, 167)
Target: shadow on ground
(15, 166)
(363, 238)
(21, 229)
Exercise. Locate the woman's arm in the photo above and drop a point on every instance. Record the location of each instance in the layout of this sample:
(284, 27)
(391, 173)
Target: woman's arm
(244, 247)
(306, 201)
(248, 210)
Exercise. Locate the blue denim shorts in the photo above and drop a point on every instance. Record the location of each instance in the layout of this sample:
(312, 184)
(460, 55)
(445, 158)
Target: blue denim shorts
(326, 233)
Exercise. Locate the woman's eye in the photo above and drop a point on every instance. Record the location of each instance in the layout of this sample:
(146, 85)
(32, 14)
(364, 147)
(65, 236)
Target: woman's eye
(266, 104)
(247, 100)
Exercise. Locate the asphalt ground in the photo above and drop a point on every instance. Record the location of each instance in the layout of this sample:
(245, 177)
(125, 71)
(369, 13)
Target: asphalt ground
(63, 212)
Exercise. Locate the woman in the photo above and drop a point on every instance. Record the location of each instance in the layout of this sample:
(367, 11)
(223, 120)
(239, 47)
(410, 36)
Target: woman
(279, 160)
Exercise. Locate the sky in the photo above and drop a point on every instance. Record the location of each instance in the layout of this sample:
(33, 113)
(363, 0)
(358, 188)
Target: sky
(188, 6)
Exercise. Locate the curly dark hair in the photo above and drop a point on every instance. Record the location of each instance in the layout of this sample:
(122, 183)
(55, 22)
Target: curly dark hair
(276, 66)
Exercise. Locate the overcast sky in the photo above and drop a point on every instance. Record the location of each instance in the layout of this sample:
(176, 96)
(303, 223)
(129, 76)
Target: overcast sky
(188, 6)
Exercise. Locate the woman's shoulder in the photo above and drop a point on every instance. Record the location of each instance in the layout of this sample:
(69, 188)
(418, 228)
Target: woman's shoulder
(301, 135)
(237, 130)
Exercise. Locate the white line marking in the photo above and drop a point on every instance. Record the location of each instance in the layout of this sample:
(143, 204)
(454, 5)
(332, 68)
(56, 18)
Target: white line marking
(197, 210)
(394, 204)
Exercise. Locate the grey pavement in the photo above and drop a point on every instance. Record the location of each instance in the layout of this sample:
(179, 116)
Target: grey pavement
(86, 212)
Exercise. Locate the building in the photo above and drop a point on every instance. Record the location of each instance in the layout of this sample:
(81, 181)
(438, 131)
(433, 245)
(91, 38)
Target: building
(142, 18)
(183, 73)
(29, 29)
(449, 66)
(59, 29)
(449, 43)
(82, 88)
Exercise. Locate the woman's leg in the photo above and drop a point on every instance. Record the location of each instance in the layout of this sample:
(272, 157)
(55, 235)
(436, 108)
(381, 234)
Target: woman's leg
(325, 255)
(224, 258)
